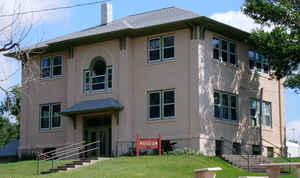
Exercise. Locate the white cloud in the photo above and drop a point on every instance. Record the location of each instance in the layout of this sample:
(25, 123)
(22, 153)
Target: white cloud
(236, 19)
(8, 67)
(293, 130)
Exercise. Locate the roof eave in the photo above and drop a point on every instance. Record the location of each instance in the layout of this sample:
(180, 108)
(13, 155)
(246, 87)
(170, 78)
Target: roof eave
(208, 23)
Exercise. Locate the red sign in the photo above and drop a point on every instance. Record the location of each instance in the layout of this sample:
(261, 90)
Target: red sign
(144, 143)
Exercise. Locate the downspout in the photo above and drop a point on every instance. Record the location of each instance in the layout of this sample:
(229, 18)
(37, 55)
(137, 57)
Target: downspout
(280, 115)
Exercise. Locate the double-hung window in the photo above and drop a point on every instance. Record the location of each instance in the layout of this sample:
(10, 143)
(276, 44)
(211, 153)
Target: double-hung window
(50, 117)
(258, 62)
(98, 81)
(225, 106)
(161, 48)
(225, 51)
(161, 105)
(51, 67)
(255, 113)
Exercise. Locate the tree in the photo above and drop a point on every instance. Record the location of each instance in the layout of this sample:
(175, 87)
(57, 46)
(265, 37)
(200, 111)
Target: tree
(12, 103)
(13, 31)
(281, 45)
(8, 131)
(11, 106)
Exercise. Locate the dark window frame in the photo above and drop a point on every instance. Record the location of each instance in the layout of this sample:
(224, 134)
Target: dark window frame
(254, 120)
(236, 148)
(229, 107)
(226, 51)
(161, 104)
(256, 60)
(88, 77)
(51, 67)
(161, 48)
(50, 116)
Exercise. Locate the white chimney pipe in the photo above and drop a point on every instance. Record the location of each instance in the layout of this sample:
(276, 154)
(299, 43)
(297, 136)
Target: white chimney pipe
(106, 13)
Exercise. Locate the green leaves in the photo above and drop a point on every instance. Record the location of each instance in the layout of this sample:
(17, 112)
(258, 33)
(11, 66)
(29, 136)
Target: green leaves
(8, 131)
(282, 44)
(12, 103)
(294, 83)
(11, 106)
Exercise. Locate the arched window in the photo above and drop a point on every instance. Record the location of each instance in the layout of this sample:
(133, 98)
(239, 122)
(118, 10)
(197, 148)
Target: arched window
(98, 66)
(98, 77)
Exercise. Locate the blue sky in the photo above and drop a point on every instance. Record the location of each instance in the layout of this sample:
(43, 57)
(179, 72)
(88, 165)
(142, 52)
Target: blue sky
(52, 24)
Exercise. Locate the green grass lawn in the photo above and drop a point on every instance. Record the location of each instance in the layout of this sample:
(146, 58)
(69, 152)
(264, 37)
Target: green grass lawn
(180, 166)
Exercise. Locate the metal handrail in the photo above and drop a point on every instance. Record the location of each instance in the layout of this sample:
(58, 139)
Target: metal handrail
(271, 144)
(248, 159)
(240, 154)
(78, 153)
(62, 148)
(57, 155)
(69, 150)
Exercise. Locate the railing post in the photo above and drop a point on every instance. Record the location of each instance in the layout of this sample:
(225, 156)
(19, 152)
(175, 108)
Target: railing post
(38, 163)
(52, 163)
(248, 162)
(98, 149)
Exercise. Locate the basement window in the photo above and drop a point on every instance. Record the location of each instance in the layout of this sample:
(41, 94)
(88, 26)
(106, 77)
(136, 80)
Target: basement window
(270, 152)
(236, 148)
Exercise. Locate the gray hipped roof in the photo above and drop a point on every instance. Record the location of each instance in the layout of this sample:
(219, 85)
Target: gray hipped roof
(93, 106)
(152, 18)
(10, 149)
(152, 22)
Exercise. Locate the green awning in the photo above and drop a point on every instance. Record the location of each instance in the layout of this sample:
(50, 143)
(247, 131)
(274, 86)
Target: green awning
(93, 106)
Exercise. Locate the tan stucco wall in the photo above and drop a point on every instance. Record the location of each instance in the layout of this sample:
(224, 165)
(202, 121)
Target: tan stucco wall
(194, 75)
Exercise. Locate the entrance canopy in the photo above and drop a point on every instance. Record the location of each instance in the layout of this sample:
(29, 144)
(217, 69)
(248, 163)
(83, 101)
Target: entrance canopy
(93, 106)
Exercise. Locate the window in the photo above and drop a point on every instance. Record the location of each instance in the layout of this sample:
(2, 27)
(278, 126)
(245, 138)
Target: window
(225, 106)
(225, 51)
(270, 152)
(51, 67)
(236, 148)
(256, 150)
(161, 48)
(255, 111)
(50, 117)
(161, 105)
(258, 62)
(98, 78)
(219, 147)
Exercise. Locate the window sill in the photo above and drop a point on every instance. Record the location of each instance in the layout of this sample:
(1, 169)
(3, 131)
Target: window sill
(264, 128)
(261, 74)
(161, 121)
(219, 62)
(227, 122)
(106, 91)
(150, 63)
(51, 78)
(54, 130)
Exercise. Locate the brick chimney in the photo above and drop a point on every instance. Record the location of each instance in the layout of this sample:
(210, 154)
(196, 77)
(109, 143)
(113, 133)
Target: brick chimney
(106, 13)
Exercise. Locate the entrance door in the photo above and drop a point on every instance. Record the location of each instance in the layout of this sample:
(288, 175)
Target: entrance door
(98, 129)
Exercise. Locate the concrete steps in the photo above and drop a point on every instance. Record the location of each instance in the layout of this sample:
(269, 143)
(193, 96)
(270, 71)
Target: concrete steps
(242, 162)
(75, 165)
